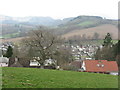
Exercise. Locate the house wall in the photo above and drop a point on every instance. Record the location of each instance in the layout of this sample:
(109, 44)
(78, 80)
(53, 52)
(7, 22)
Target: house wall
(4, 60)
(83, 66)
(34, 63)
(114, 73)
(3, 65)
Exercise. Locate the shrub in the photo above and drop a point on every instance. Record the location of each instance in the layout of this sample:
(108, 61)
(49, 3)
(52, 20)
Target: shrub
(70, 67)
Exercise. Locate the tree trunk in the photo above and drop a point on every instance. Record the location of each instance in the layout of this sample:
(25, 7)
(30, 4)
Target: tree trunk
(42, 66)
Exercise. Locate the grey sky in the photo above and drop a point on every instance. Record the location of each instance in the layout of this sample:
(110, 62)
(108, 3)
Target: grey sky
(59, 8)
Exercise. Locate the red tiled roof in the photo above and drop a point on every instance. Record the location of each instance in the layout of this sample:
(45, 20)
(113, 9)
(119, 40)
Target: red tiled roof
(92, 66)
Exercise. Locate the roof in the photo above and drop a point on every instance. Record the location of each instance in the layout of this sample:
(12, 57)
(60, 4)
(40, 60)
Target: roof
(4, 60)
(101, 66)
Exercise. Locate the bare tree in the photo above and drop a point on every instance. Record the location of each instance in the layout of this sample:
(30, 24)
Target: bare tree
(42, 43)
(96, 36)
(15, 51)
(63, 55)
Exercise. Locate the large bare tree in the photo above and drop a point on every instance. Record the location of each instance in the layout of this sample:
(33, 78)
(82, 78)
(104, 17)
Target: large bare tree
(43, 43)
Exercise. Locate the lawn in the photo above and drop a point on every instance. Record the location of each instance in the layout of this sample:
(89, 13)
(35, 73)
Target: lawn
(44, 78)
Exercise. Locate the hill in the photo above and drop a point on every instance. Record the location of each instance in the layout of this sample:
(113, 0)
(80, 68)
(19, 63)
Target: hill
(89, 21)
(13, 27)
(84, 22)
(32, 20)
(43, 78)
(102, 30)
(15, 40)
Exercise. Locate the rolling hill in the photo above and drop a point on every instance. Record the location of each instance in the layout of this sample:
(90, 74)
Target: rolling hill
(102, 30)
(13, 27)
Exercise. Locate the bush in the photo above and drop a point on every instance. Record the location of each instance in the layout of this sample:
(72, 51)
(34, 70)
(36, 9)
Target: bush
(70, 67)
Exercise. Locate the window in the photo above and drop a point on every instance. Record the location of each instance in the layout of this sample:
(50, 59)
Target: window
(98, 65)
(102, 65)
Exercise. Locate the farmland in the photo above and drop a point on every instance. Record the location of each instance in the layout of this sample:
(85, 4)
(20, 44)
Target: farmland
(101, 30)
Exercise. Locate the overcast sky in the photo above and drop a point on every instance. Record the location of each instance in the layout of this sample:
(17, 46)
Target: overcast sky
(59, 8)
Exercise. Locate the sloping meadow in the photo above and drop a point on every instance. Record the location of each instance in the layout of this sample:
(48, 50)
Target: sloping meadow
(44, 78)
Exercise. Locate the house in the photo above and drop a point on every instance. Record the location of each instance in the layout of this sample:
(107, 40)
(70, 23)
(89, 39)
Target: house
(4, 61)
(100, 66)
(48, 64)
(34, 63)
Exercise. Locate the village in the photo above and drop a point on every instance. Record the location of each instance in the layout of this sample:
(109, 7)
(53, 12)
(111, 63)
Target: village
(59, 44)
(83, 55)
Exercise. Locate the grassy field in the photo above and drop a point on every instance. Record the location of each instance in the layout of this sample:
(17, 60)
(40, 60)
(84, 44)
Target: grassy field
(10, 35)
(86, 23)
(95, 42)
(43, 78)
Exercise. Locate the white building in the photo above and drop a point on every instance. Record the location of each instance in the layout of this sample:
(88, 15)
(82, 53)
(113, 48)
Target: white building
(4, 61)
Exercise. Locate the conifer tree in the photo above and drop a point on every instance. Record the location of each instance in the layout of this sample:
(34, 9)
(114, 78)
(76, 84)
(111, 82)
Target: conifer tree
(9, 52)
(107, 40)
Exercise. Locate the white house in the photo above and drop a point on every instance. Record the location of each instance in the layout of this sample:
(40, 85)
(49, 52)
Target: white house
(4, 61)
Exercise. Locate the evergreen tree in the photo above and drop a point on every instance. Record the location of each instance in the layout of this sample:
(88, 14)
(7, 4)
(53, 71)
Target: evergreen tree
(116, 48)
(118, 52)
(107, 40)
(107, 52)
(9, 52)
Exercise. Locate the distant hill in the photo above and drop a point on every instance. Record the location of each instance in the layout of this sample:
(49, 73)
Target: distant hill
(84, 22)
(32, 20)
(102, 30)
(13, 27)
(89, 21)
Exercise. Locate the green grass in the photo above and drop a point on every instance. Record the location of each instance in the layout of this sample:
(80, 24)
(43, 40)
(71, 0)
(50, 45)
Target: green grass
(86, 23)
(96, 42)
(10, 35)
(0, 78)
(43, 78)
